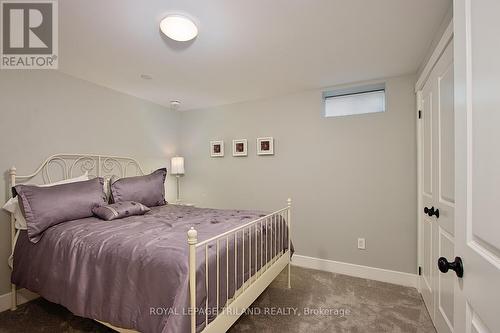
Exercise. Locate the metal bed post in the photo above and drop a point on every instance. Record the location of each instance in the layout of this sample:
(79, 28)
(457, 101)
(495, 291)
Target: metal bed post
(13, 292)
(289, 216)
(192, 240)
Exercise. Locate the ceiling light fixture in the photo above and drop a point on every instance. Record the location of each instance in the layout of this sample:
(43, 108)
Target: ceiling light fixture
(179, 28)
(146, 77)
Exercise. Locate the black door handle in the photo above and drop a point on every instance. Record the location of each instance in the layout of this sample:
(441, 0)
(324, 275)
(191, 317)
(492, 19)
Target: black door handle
(431, 211)
(457, 266)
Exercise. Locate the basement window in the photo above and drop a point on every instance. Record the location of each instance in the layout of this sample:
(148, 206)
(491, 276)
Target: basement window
(354, 101)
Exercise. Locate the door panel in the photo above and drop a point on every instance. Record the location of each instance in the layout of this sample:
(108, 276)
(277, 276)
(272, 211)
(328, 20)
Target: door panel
(444, 321)
(446, 141)
(485, 104)
(427, 141)
(485, 99)
(427, 267)
(475, 325)
(446, 138)
(477, 129)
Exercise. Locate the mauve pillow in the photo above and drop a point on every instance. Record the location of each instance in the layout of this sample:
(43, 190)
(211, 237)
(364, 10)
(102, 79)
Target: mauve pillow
(119, 210)
(44, 207)
(12, 206)
(148, 190)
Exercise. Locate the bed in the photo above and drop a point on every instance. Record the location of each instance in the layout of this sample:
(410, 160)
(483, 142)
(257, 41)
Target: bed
(175, 269)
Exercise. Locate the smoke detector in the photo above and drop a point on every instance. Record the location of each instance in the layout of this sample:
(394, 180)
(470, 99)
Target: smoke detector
(174, 105)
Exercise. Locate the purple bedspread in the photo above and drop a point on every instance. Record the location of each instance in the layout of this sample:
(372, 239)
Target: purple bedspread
(133, 272)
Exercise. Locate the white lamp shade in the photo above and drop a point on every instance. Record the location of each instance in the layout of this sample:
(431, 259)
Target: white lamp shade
(177, 165)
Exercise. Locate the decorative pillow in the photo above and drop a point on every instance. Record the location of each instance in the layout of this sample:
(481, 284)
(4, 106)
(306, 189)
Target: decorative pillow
(120, 210)
(44, 207)
(148, 190)
(12, 206)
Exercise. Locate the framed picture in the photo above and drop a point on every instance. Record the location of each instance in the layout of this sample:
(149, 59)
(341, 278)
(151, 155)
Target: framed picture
(265, 146)
(240, 147)
(217, 148)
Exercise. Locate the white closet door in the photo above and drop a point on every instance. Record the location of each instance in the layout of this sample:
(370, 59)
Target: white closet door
(444, 228)
(438, 189)
(427, 192)
(477, 221)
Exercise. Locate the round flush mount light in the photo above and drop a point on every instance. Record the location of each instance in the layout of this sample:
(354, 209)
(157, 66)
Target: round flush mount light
(179, 28)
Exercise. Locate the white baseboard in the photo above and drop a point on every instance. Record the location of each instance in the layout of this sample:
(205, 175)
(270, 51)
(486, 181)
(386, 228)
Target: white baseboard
(23, 296)
(366, 272)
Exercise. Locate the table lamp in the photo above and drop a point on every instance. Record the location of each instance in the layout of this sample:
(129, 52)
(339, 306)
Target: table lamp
(177, 169)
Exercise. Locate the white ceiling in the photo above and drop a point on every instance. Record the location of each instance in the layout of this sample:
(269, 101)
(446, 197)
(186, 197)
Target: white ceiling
(246, 50)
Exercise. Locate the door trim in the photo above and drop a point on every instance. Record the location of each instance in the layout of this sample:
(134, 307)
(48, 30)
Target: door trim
(436, 54)
(420, 247)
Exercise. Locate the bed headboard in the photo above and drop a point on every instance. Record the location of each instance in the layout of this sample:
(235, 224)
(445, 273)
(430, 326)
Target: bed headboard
(64, 166)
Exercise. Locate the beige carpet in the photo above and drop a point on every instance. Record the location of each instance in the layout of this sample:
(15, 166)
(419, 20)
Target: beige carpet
(349, 305)
(317, 302)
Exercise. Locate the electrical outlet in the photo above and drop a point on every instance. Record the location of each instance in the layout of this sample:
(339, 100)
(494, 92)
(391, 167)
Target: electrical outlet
(361, 244)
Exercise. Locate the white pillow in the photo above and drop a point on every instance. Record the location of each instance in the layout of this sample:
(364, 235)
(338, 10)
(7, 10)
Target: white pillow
(12, 206)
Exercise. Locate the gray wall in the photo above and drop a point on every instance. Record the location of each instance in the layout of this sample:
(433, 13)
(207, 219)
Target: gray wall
(348, 177)
(46, 112)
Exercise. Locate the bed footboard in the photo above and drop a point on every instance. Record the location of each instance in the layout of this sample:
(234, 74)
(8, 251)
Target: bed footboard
(264, 248)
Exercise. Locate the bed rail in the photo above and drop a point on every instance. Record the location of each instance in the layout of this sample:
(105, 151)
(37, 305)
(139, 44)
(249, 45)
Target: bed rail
(265, 256)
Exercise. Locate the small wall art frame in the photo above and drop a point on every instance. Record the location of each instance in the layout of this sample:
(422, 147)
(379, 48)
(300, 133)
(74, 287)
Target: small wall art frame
(265, 146)
(217, 148)
(240, 147)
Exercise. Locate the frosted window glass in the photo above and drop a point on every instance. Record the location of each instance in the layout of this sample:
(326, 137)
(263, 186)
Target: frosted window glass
(359, 103)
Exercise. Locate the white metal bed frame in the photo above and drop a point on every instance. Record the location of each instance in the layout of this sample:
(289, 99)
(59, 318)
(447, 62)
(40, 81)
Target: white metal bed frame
(106, 166)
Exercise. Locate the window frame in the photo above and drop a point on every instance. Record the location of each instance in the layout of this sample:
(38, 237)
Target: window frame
(352, 91)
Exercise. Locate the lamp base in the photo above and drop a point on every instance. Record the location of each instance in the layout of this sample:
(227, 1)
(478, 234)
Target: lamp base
(178, 187)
